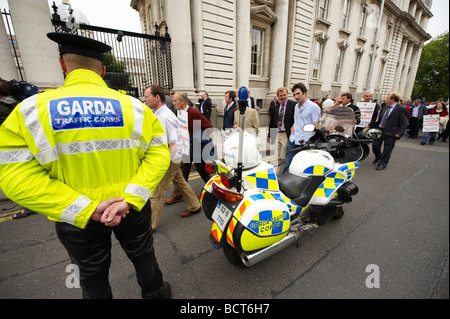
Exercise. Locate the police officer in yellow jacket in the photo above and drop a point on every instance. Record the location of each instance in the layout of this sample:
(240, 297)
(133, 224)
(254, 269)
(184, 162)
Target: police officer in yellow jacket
(88, 156)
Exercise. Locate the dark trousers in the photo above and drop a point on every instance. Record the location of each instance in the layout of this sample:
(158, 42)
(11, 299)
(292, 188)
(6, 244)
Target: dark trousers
(413, 127)
(90, 250)
(389, 143)
(201, 170)
(289, 155)
(186, 170)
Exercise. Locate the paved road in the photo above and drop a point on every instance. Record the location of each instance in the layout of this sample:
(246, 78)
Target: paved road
(398, 225)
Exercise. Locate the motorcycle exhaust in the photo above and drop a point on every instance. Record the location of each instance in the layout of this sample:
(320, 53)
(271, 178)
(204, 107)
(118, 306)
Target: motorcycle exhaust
(251, 259)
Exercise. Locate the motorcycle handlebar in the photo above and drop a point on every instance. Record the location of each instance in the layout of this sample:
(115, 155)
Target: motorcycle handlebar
(361, 141)
(330, 145)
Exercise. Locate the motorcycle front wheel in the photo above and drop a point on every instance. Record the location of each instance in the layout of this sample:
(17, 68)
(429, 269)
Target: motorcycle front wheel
(233, 256)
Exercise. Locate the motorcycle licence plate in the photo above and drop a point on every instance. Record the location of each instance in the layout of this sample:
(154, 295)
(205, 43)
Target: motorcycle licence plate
(222, 215)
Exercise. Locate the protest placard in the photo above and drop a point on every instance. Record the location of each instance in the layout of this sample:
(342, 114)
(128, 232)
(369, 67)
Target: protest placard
(183, 122)
(430, 123)
(366, 109)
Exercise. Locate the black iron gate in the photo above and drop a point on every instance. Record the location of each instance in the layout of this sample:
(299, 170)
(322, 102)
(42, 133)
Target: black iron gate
(135, 61)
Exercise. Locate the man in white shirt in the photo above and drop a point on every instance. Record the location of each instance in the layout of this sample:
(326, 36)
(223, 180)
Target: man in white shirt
(154, 97)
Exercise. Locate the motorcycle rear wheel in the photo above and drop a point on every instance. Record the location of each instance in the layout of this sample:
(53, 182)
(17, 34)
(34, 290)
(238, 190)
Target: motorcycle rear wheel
(233, 256)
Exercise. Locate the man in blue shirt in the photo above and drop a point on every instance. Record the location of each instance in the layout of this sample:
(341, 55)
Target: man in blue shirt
(416, 114)
(306, 112)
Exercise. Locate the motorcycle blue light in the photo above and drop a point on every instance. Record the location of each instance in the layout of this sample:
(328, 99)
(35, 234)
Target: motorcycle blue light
(243, 94)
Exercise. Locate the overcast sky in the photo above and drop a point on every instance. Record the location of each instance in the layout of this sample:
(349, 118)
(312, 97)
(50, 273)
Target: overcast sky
(118, 14)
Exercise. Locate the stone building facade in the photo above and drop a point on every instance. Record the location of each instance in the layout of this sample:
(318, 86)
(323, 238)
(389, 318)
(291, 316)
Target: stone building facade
(221, 45)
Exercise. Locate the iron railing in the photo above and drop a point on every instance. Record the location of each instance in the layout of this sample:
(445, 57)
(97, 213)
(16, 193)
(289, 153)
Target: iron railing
(136, 60)
(6, 17)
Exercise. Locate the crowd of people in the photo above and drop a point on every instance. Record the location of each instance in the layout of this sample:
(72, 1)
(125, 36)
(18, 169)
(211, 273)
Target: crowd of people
(415, 118)
(60, 151)
(285, 130)
(394, 116)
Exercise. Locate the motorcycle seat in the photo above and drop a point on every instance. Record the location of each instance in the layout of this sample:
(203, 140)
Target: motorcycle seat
(299, 189)
(292, 185)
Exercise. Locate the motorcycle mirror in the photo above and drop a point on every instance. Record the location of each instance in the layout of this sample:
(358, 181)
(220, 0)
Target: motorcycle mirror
(309, 127)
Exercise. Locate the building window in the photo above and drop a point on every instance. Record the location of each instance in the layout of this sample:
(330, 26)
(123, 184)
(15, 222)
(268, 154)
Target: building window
(346, 14)
(380, 75)
(149, 19)
(318, 50)
(161, 10)
(339, 62)
(362, 27)
(257, 52)
(323, 9)
(388, 37)
(356, 68)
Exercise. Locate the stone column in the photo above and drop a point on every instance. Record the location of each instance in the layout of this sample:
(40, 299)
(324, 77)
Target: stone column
(414, 66)
(400, 63)
(391, 65)
(39, 54)
(243, 43)
(179, 22)
(8, 66)
(197, 15)
(279, 41)
(404, 75)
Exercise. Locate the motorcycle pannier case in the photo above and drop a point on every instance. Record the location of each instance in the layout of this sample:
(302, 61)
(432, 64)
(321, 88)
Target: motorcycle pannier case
(260, 221)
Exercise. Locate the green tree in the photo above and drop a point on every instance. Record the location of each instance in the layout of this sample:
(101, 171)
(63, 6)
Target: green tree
(109, 60)
(432, 75)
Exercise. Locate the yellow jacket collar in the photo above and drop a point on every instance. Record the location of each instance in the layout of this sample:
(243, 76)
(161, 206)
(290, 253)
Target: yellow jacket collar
(83, 76)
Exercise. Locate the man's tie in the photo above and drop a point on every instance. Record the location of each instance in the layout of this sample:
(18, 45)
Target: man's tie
(386, 115)
(280, 116)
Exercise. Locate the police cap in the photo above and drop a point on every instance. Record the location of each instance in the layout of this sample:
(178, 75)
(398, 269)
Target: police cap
(73, 43)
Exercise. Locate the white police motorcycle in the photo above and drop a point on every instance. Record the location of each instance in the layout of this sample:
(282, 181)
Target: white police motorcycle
(256, 213)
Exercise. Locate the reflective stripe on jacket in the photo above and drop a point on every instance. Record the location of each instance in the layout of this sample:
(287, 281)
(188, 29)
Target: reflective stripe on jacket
(64, 151)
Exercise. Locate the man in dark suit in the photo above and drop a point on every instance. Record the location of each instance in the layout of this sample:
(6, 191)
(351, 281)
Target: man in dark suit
(281, 121)
(205, 106)
(416, 114)
(251, 101)
(392, 121)
(347, 101)
(228, 112)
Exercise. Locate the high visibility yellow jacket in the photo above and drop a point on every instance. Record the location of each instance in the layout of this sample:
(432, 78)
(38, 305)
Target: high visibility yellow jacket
(64, 151)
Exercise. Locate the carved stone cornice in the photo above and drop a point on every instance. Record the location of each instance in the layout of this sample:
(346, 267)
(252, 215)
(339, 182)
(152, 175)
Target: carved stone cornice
(264, 13)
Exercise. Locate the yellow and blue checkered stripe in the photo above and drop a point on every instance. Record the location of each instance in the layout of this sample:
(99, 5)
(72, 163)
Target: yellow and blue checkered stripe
(349, 169)
(266, 179)
(291, 205)
(331, 183)
(316, 170)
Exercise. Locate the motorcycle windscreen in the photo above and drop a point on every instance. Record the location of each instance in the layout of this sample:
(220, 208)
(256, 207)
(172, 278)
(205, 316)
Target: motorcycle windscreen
(339, 120)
